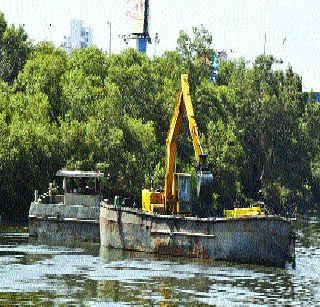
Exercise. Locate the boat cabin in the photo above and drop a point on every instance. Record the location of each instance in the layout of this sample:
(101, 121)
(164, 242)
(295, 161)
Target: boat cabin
(78, 188)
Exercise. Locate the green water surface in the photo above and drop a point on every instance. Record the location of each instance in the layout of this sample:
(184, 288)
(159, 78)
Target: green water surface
(34, 273)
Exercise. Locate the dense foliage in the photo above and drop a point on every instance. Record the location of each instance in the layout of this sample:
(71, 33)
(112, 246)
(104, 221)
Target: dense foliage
(111, 113)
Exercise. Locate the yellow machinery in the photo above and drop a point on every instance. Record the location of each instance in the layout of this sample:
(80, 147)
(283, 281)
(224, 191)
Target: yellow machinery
(175, 199)
(244, 212)
(177, 188)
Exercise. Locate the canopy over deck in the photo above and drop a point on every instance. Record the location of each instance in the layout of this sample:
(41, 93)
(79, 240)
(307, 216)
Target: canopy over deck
(79, 174)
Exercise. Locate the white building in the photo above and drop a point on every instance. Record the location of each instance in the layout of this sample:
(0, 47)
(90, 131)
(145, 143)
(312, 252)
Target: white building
(80, 36)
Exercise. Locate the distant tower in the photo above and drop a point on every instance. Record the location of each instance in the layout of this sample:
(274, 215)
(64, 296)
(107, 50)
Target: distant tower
(80, 36)
(141, 24)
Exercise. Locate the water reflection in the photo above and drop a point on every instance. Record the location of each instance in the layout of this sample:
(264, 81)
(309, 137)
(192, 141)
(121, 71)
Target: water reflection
(39, 273)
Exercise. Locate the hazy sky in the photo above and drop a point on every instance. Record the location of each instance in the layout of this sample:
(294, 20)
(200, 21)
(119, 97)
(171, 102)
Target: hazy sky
(239, 25)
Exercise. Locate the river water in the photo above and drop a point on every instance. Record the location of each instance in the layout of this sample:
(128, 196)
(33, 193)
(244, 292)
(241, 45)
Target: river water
(34, 273)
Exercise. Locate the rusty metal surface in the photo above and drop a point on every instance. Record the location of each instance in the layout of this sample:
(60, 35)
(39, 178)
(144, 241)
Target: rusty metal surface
(78, 199)
(64, 223)
(62, 211)
(61, 231)
(258, 240)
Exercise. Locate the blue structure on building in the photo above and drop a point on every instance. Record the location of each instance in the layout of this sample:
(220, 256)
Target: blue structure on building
(214, 67)
(142, 44)
(215, 59)
(141, 31)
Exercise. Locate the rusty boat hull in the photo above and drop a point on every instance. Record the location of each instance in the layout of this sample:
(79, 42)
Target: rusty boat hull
(256, 240)
(59, 223)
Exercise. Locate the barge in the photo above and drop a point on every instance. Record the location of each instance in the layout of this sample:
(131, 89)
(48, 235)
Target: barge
(72, 216)
(170, 223)
(267, 240)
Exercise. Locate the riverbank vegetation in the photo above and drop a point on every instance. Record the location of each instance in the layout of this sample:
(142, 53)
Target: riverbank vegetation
(94, 111)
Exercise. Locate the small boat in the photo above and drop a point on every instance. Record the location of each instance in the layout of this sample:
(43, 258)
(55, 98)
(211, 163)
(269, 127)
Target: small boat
(69, 217)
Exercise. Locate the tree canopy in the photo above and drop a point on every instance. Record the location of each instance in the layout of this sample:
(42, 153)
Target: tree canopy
(111, 113)
(14, 49)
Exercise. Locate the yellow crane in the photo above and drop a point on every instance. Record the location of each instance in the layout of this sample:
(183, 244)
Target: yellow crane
(177, 188)
(176, 197)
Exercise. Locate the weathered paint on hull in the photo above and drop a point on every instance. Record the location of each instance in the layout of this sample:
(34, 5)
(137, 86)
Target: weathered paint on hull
(64, 223)
(258, 240)
(62, 231)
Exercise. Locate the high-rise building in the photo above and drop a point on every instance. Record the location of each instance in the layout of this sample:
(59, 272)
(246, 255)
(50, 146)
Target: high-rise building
(80, 36)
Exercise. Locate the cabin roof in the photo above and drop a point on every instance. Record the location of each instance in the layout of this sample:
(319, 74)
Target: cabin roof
(79, 174)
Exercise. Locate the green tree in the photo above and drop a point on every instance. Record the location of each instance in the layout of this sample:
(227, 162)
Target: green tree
(42, 74)
(225, 155)
(268, 105)
(29, 160)
(14, 50)
(197, 54)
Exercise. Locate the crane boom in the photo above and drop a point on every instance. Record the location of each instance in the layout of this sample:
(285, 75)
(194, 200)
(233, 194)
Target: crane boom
(193, 128)
(182, 106)
(176, 195)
